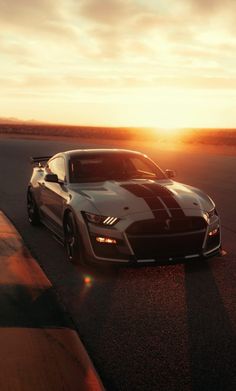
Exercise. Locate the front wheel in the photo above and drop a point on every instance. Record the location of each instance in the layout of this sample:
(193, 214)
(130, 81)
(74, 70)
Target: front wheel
(32, 209)
(73, 244)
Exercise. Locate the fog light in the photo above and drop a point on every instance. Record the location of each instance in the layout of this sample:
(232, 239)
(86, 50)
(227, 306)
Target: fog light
(213, 232)
(102, 239)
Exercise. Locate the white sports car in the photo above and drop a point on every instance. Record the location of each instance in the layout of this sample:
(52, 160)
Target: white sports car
(118, 205)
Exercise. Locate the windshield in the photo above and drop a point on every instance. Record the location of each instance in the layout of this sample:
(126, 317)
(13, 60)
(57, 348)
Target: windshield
(101, 167)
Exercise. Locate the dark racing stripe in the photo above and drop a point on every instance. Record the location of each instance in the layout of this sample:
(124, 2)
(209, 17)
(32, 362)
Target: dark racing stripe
(168, 199)
(154, 203)
(138, 190)
(173, 206)
(159, 212)
(157, 197)
(158, 190)
(170, 202)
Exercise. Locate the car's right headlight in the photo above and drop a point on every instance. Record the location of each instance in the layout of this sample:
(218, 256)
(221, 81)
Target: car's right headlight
(100, 220)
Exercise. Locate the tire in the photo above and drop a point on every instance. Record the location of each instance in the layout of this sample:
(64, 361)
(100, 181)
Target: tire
(73, 243)
(32, 209)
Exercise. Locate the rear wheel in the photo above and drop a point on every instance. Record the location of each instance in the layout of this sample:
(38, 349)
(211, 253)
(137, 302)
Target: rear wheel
(32, 209)
(72, 239)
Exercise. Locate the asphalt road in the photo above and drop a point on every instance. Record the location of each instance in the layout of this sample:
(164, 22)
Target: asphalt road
(170, 327)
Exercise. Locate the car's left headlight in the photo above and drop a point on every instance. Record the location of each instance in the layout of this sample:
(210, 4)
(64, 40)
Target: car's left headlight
(100, 220)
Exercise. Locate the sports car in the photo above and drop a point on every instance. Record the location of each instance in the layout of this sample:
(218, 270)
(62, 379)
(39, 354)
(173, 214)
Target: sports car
(116, 205)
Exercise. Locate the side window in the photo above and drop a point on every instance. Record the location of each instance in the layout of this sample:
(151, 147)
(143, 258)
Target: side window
(57, 166)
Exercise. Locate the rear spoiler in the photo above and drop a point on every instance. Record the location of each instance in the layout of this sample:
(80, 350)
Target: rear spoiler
(39, 159)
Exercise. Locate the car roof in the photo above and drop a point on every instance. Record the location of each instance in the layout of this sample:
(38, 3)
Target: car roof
(102, 151)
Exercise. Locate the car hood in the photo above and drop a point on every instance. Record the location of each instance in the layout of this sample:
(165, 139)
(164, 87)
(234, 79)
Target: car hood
(113, 198)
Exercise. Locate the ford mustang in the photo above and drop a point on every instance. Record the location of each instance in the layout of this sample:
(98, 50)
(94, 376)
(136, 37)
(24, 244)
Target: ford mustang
(118, 205)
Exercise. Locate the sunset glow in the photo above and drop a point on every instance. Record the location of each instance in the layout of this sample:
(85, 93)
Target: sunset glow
(162, 63)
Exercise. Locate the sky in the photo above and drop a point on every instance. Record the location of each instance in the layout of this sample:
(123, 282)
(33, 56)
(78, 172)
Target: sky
(158, 63)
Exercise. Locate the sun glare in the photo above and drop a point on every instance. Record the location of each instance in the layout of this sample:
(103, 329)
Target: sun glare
(168, 137)
(169, 131)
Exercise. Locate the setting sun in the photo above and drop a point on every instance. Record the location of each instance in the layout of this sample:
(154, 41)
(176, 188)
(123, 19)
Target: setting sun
(170, 132)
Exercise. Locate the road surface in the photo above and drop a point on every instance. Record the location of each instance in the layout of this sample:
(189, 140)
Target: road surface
(149, 328)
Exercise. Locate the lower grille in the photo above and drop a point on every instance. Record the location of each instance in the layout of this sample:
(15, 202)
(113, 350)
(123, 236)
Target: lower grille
(166, 246)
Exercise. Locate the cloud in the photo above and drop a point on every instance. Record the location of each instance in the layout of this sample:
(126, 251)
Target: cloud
(210, 7)
(27, 12)
(125, 43)
(115, 14)
(127, 16)
(107, 12)
(14, 49)
(111, 25)
(197, 83)
(38, 18)
(109, 29)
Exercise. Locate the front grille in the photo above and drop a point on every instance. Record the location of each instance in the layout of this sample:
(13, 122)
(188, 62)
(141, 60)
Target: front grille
(171, 226)
(166, 246)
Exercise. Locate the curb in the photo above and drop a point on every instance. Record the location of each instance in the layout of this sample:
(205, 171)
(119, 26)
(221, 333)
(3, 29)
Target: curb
(40, 351)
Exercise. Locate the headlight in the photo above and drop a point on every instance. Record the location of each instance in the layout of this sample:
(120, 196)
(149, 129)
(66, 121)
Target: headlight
(211, 213)
(100, 220)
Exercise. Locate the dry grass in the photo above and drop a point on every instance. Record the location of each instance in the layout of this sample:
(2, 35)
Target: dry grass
(218, 137)
(71, 131)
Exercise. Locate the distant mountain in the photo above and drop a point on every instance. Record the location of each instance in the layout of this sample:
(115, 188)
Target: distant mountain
(17, 121)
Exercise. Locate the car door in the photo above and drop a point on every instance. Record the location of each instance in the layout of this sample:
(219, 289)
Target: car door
(54, 194)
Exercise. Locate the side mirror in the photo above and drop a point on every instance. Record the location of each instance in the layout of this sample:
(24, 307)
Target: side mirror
(51, 178)
(170, 173)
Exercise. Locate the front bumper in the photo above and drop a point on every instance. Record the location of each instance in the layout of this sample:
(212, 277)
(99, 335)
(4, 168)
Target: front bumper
(152, 248)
